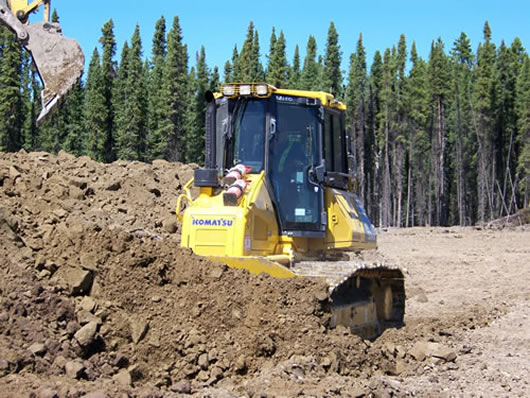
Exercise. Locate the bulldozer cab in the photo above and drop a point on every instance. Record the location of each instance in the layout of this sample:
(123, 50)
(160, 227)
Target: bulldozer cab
(284, 136)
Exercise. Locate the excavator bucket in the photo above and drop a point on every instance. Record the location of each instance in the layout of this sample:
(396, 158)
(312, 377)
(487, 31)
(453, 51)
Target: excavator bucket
(58, 59)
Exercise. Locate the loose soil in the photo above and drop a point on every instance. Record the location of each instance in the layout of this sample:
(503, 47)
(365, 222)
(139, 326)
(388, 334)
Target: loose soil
(97, 299)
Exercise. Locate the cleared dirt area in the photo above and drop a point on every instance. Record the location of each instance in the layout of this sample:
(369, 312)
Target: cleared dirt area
(98, 300)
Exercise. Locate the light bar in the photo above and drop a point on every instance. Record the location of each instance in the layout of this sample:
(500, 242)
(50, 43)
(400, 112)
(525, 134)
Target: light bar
(262, 89)
(244, 90)
(229, 90)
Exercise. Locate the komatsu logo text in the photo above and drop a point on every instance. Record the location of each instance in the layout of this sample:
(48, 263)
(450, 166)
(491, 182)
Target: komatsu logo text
(218, 222)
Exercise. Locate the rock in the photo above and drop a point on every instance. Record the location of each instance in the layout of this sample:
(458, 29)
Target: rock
(217, 373)
(88, 261)
(79, 281)
(181, 387)
(443, 352)
(138, 328)
(46, 392)
(95, 394)
(170, 225)
(14, 172)
(74, 369)
(397, 368)
(86, 334)
(4, 367)
(76, 193)
(419, 351)
(422, 350)
(357, 392)
(84, 317)
(60, 362)
(123, 378)
(325, 362)
(88, 304)
(203, 376)
(217, 271)
(37, 349)
(241, 364)
(203, 361)
(114, 186)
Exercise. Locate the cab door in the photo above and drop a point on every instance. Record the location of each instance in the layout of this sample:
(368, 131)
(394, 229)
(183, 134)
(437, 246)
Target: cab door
(294, 152)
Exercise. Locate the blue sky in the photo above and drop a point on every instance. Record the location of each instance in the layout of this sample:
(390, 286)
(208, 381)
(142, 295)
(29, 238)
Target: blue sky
(218, 25)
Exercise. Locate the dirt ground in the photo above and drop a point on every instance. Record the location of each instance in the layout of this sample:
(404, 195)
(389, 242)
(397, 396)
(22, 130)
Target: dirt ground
(98, 300)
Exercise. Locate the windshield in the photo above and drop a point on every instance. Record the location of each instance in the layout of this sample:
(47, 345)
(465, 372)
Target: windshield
(249, 134)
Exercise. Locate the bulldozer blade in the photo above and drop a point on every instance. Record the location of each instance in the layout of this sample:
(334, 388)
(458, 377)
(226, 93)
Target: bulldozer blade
(59, 61)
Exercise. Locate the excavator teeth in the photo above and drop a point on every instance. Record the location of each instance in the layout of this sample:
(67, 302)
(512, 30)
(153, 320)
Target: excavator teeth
(59, 61)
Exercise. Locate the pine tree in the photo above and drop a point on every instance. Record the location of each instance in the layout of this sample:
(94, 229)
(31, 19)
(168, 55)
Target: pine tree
(483, 115)
(108, 43)
(522, 106)
(95, 109)
(332, 79)
(248, 62)
(462, 135)
(375, 84)
(227, 72)
(10, 97)
(214, 80)
(75, 138)
(400, 132)
(356, 117)
(294, 71)
(505, 131)
(417, 102)
(155, 83)
(272, 44)
(174, 96)
(236, 69)
(257, 67)
(195, 136)
(384, 136)
(31, 95)
(311, 71)
(131, 132)
(439, 77)
(277, 68)
(250, 67)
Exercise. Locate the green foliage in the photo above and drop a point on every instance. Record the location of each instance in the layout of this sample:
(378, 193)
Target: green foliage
(195, 132)
(522, 104)
(311, 70)
(442, 141)
(131, 131)
(155, 83)
(11, 106)
(95, 109)
(174, 97)
(108, 43)
(277, 68)
(332, 79)
(294, 71)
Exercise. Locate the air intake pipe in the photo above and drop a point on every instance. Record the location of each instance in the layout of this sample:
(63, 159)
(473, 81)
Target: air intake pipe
(207, 176)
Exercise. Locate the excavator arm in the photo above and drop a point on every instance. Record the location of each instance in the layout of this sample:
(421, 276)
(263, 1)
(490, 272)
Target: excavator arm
(59, 60)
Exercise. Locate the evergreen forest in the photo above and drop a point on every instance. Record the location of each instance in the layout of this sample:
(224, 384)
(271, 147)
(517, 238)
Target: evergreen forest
(437, 141)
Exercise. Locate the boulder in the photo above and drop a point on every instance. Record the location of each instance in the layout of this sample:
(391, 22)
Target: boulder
(86, 335)
(79, 281)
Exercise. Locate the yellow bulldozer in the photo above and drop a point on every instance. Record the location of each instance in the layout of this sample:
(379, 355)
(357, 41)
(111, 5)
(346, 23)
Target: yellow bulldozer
(277, 194)
(59, 60)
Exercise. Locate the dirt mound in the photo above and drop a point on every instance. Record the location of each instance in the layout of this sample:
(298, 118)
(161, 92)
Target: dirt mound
(97, 298)
(96, 287)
